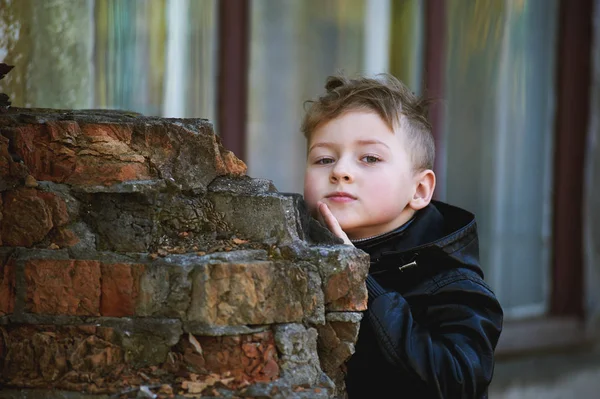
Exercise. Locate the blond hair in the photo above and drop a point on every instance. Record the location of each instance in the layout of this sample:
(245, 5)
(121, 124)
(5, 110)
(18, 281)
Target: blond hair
(385, 95)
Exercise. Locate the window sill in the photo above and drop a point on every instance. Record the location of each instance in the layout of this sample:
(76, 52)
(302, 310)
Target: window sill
(549, 334)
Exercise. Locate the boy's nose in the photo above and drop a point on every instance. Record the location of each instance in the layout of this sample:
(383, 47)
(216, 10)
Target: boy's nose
(340, 173)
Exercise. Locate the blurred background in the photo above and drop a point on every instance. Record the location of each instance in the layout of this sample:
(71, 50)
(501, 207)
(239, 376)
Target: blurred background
(516, 123)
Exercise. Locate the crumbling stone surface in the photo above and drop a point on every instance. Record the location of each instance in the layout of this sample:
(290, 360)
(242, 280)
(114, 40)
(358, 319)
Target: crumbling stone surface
(135, 255)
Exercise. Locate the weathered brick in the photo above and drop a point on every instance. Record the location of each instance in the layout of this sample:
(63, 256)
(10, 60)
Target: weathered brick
(63, 287)
(42, 151)
(43, 355)
(274, 215)
(90, 154)
(186, 151)
(56, 206)
(7, 287)
(251, 357)
(248, 293)
(1, 218)
(85, 152)
(26, 218)
(336, 343)
(11, 173)
(343, 272)
(120, 289)
(29, 215)
(297, 347)
(165, 289)
(63, 237)
(226, 163)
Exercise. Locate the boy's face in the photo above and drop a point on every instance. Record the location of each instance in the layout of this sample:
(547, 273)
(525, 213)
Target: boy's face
(360, 168)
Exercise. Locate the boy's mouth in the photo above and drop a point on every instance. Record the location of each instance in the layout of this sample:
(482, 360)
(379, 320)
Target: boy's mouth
(340, 196)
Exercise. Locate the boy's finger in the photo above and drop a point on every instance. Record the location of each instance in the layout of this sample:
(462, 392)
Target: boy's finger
(330, 220)
(332, 223)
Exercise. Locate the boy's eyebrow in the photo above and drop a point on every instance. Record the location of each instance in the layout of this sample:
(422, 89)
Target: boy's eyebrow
(321, 144)
(372, 141)
(360, 142)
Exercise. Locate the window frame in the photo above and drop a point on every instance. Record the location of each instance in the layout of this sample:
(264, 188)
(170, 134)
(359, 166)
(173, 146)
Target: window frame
(232, 74)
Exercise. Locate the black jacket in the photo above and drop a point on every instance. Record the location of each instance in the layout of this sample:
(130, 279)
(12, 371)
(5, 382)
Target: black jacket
(432, 323)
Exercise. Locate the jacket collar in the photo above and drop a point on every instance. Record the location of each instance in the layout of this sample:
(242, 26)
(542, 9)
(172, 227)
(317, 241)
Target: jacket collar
(438, 230)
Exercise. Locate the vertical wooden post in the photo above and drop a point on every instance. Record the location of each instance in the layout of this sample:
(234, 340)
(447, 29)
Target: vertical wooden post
(572, 115)
(232, 71)
(435, 68)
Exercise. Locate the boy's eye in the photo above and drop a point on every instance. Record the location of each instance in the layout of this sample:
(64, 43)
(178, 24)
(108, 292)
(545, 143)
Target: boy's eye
(324, 161)
(370, 159)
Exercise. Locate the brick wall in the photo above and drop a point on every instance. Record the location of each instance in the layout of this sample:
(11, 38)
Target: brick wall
(134, 252)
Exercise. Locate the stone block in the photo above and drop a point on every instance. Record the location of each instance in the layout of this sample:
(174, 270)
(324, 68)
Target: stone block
(299, 358)
(144, 221)
(165, 289)
(276, 218)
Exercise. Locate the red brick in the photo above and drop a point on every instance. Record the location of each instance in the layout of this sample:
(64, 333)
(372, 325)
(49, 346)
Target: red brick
(29, 215)
(107, 132)
(91, 154)
(7, 287)
(49, 357)
(42, 151)
(26, 218)
(252, 357)
(63, 237)
(11, 172)
(345, 290)
(120, 289)
(227, 163)
(68, 287)
(94, 170)
(5, 158)
(57, 207)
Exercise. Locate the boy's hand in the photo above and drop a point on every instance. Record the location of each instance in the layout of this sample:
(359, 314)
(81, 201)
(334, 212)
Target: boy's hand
(327, 218)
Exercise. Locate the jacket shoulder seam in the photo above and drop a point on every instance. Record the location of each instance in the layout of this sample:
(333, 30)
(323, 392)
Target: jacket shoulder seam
(439, 284)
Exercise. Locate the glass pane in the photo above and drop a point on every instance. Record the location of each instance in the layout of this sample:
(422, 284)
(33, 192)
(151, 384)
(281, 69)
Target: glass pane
(499, 127)
(295, 45)
(130, 54)
(155, 57)
(50, 43)
(407, 43)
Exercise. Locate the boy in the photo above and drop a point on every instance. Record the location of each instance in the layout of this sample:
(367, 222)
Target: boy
(432, 323)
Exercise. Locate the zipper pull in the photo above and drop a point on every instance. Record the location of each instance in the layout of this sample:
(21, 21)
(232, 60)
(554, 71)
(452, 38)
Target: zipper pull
(408, 265)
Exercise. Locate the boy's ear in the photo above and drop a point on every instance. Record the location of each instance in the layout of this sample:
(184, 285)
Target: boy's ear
(425, 185)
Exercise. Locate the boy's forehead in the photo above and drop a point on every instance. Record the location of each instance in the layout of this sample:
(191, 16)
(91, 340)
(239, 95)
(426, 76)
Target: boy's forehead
(359, 126)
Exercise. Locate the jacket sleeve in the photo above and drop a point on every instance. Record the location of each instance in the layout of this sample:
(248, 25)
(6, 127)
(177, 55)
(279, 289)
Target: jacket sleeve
(452, 352)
